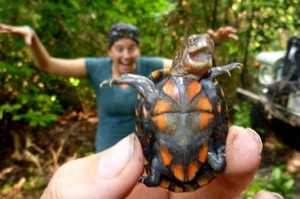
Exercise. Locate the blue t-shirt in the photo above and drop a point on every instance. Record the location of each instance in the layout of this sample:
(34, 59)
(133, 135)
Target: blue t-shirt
(116, 105)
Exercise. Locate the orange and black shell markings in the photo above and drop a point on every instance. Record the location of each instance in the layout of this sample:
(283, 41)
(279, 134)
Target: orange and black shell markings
(182, 120)
(176, 132)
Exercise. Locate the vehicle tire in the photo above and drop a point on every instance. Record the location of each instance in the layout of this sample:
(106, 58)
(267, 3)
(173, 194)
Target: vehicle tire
(259, 121)
(288, 134)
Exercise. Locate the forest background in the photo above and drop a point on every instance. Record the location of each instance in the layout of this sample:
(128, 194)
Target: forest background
(31, 100)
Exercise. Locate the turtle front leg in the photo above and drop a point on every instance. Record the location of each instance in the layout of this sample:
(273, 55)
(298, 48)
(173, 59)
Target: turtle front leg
(143, 84)
(219, 70)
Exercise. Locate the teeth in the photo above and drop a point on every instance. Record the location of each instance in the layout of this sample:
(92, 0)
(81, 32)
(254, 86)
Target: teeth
(125, 62)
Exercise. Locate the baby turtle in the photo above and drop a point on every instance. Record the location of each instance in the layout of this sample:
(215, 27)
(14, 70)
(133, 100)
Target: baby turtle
(182, 118)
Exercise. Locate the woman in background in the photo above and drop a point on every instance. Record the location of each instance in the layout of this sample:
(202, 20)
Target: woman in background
(115, 104)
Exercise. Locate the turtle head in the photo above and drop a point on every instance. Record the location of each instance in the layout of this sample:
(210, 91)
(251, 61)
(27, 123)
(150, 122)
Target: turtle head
(194, 57)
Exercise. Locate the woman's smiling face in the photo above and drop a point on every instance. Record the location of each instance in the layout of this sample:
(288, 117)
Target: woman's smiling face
(124, 53)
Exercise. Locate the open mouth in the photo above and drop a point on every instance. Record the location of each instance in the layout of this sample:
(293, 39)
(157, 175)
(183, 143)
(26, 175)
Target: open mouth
(200, 57)
(126, 67)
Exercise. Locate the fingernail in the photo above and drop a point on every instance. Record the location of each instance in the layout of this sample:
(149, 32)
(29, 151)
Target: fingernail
(277, 195)
(257, 137)
(115, 159)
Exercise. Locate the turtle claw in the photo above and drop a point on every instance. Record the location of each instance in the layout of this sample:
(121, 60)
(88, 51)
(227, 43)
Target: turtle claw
(228, 72)
(143, 84)
(141, 179)
(218, 70)
(240, 66)
(150, 181)
(106, 82)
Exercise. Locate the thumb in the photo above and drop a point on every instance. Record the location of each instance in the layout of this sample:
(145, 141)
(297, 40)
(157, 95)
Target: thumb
(112, 173)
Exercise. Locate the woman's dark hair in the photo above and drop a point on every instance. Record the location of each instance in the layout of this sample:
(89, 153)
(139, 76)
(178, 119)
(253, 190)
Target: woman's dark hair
(123, 30)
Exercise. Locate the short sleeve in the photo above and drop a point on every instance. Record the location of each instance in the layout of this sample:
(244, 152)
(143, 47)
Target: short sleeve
(146, 65)
(98, 69)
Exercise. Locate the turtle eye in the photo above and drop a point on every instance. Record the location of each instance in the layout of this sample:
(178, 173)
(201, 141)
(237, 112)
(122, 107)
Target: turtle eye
(192, 39)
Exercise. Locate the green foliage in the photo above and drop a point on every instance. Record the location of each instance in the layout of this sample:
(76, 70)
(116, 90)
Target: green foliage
(242, 114)
(36, 118)
(79, 28)
(277, 181)
(42, 116)
(67, 29)
(34, 182)
(23, 95)
(7, 108)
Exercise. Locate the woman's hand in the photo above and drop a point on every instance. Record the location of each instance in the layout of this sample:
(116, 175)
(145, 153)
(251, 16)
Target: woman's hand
(24, 31)
(223, 34)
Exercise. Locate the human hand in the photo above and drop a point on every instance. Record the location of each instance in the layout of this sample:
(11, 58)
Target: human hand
(114, 172)
(223, 34)
(25, 31)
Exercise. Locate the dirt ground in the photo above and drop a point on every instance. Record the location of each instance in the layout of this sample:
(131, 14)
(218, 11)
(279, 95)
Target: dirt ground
(29, 156)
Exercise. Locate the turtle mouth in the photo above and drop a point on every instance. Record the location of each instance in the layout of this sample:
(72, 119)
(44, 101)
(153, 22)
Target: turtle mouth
(200, 57)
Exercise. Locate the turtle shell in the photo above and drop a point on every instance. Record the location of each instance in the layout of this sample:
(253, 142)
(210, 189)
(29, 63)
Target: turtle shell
(182, 120)
(183, 132)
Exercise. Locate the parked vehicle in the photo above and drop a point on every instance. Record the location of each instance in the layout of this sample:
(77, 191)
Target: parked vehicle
(275, 91)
